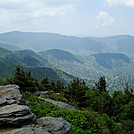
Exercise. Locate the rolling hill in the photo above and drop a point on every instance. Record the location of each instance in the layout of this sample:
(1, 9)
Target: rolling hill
(105, 59)
(45, 41)
(29, 60)
(119, 43)
(8, 46)
(20, 59)
(92, 66)
(78, 45)
(59, 55)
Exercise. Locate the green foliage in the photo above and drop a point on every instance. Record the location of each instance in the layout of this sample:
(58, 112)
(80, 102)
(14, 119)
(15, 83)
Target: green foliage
(103, 103)
(110, 126)
(23, 80)
(16, 58)
(59, 55)
(2, 82)
(104, 59)
(59, 86)
(75, 91)
(44, 83)
(39, 109)
(101, 84)
(118, 101)
(128, 111)
(92, 95)
(128, 125)
(6, 69)
(88, 121)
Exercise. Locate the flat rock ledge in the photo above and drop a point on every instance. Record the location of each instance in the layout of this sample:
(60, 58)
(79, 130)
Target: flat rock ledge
(55, 125)
(27, 129)
(60, 105)
(17, 119)
(45, 125)
(10, 94)
(15, 114)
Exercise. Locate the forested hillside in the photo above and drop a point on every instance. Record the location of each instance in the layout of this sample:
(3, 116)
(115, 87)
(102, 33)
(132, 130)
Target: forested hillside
(63, 65)
(92, 66)
(79, 45)
(29, 60)
(8, 46)
(19, 59)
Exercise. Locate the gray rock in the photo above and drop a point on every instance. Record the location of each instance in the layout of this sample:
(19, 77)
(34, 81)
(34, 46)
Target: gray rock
(39, 130)
(40, 93)
(11, 93)
(18, 131)
(55, 125)
(28, 129)
(2, 101)
(27, 102)
(14, 114)
(60, 105)
(15, 118)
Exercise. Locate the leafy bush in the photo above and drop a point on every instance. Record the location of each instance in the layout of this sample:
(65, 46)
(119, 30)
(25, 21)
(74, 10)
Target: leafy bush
(110, 126)
(128, 112)
(39, 109)
(82, 121)
(128, 125)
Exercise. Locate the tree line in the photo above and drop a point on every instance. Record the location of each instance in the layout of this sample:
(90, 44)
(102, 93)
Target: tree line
(119, 106)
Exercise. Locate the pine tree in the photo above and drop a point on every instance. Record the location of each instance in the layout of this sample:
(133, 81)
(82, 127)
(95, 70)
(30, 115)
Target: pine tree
(101, 85)
(24, 80)
(75, 91)
(45, 84)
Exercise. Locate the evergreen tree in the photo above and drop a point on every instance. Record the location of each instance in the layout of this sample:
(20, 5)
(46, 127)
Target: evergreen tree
(24, 80)
(101, 84)
(45, 84)
(119, 99)
(104, 103)
(128, 92)
(52, 85)
(75, 91)
(58, 86)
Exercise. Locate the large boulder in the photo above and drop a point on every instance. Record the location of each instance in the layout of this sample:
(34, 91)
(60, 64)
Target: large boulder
(60, 105)
(16, 118)
(55, 125)
(10, 94)
(15, 114)
(27, 129)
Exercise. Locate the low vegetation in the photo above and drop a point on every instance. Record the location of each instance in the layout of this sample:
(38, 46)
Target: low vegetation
(97, 111)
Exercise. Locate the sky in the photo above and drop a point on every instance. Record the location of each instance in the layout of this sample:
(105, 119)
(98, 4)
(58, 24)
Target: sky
(94, 18)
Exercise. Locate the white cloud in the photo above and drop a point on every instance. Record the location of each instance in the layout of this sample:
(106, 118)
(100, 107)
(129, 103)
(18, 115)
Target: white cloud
(126, 3)
(24, 10)
(104, 19)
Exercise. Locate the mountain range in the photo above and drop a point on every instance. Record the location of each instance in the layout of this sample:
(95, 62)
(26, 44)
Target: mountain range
(79, 45)
(92, 58)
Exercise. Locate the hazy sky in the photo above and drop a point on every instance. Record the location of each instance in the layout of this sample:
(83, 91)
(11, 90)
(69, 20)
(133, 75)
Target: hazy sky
(69, 17)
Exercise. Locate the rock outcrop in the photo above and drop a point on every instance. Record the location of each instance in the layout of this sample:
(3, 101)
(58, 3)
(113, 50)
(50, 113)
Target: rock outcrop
(10, 94)
(60, 105)
(27, 129)
(55, 125)
(15, 114)
(17, 119)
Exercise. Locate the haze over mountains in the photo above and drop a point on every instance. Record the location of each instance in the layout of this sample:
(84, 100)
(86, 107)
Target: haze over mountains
(79, 45)
(65, 57)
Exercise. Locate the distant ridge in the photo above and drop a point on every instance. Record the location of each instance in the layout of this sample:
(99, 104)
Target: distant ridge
(79, 45)
(59, 55)
(8, 46)
(104, 59)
